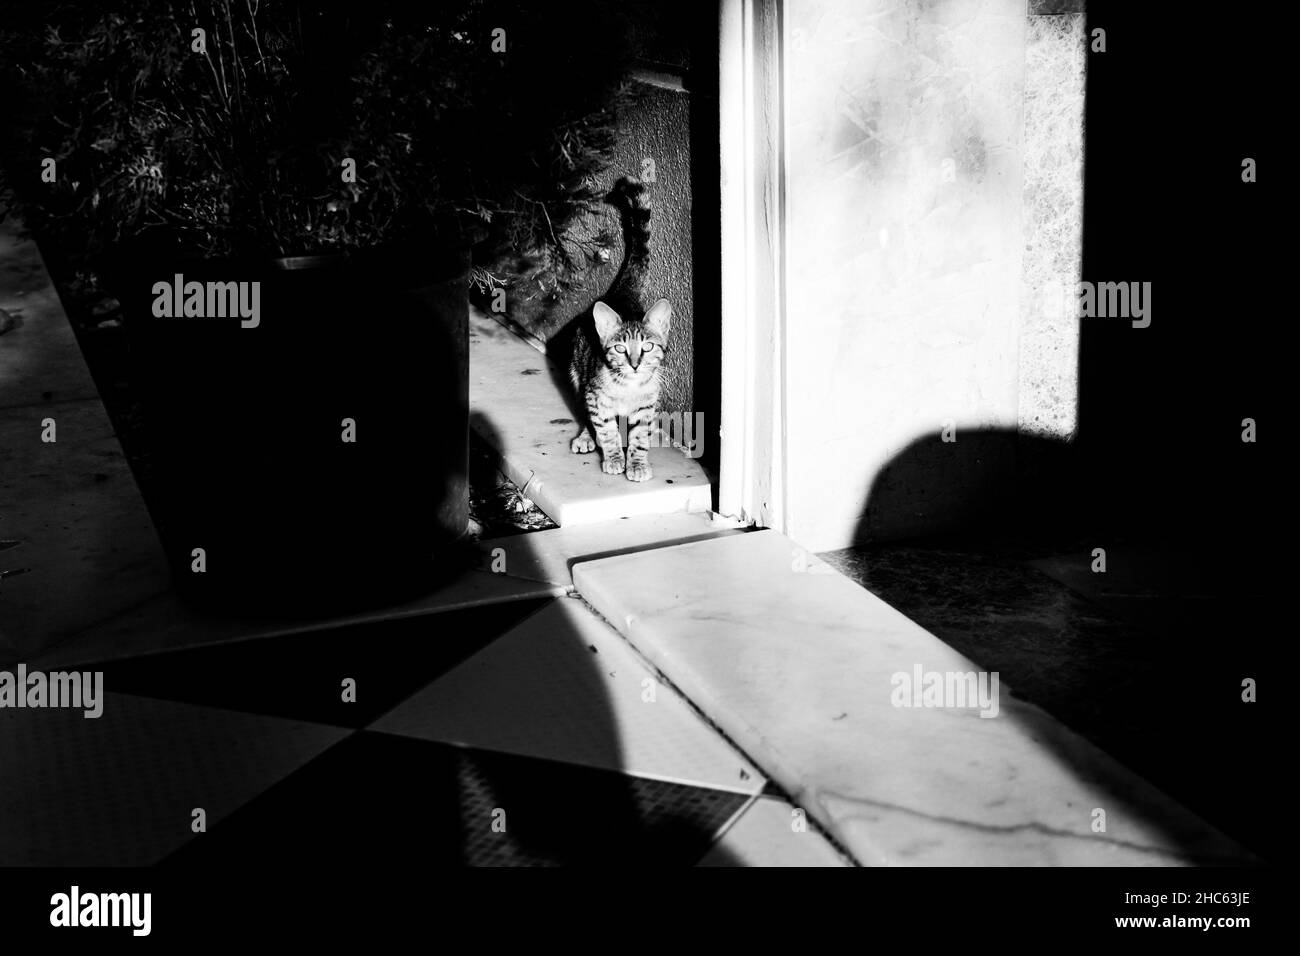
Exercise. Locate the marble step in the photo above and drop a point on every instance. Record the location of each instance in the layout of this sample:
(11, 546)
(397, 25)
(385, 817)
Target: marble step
(807, 673)
(519, 407)
(768, 834)
(562, 685)
(550, 555)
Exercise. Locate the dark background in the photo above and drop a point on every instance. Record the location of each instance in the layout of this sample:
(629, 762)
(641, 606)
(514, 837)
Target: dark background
(1173, 106)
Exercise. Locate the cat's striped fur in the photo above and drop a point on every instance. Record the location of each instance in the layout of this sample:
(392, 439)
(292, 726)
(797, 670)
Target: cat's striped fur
(619, 349)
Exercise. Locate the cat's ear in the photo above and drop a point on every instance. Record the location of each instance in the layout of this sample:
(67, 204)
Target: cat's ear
(607, 320)
(657, 319)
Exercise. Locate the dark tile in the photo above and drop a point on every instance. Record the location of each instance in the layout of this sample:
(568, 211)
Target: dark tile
(119, 790)
(301, 675)
(383, 802)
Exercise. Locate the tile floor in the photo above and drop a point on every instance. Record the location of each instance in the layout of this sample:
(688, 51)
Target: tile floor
(522, 732)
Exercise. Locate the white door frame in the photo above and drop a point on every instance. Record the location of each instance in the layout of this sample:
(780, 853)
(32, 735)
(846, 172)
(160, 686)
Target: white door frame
(751, 481)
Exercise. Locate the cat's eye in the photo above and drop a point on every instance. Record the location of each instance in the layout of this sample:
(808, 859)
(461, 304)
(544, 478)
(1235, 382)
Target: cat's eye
(620, 348)
(647, 347)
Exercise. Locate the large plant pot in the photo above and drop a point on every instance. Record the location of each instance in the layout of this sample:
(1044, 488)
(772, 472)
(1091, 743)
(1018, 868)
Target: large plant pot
(247, 428)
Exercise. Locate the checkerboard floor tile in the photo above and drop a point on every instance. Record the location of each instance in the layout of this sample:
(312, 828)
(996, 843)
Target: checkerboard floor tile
(564, 685)
(377, 800)
(120, 789)
(256, 734)
(301, 675)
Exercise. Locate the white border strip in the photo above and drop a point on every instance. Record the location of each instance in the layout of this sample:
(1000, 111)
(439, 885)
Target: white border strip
(752, 466)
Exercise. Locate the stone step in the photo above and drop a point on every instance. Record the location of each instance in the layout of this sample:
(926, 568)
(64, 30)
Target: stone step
(519, 406)
(549, 556)
(806, 671)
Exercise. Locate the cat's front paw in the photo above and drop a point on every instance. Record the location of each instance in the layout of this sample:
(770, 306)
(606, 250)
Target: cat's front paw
(639, 471)
(613, 464)
(582, 445)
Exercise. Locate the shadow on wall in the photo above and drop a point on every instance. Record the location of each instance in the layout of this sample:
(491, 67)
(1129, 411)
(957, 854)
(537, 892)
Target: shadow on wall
(915, 495)
(992, 480)
(1160, 409)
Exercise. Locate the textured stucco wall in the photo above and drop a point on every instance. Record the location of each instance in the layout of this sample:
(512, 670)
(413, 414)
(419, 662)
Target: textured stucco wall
(656, 127)
(907, 229)
(1055, 60)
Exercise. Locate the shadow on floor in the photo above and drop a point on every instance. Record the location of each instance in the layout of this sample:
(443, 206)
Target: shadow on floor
(1146, 658)
(387, 801)
(374, 798)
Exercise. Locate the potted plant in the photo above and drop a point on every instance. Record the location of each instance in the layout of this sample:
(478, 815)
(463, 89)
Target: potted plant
(286, 199)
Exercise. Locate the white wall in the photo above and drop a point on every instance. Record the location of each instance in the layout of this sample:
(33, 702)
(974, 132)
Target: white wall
(908, 243)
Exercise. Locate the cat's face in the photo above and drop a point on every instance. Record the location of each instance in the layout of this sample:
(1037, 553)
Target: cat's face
(633, 347)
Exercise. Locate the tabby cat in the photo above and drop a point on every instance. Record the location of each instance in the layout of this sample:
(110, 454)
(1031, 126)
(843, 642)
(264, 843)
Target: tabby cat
(617, 356)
